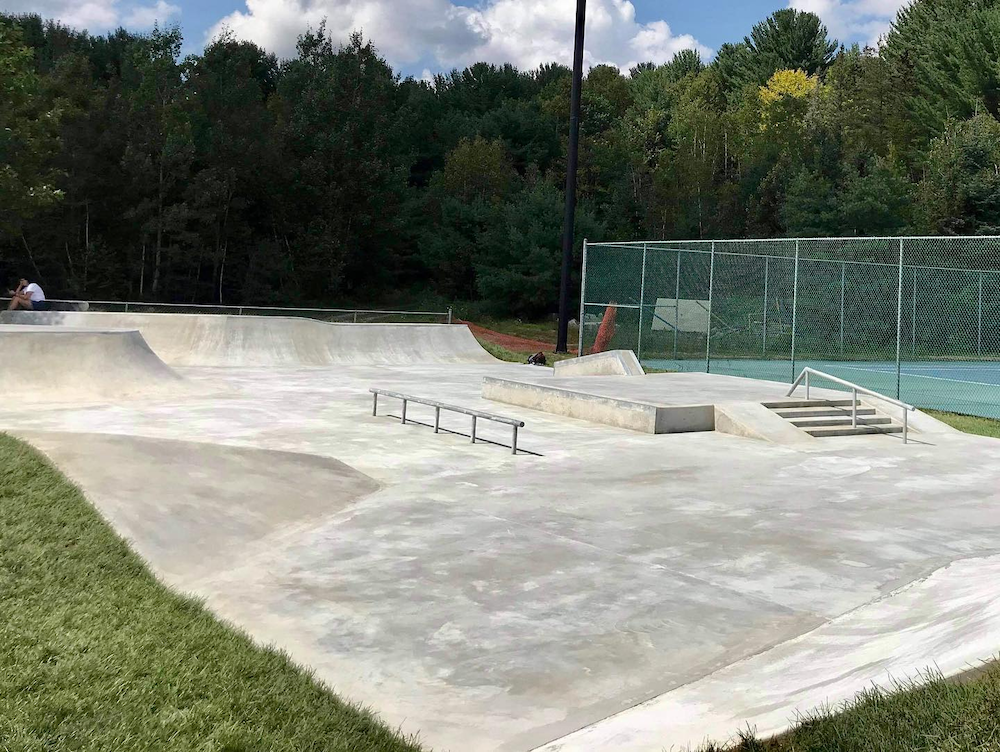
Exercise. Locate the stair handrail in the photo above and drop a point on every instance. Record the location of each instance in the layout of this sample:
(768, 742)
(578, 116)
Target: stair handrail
(855, 390)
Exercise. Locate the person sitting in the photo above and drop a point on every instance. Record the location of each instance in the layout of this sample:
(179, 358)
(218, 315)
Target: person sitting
(28, 296)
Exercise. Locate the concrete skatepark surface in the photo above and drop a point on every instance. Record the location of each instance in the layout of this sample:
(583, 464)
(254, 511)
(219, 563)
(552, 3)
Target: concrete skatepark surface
(618, 591)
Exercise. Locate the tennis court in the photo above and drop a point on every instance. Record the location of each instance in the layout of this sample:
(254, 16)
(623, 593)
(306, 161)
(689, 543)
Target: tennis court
(916, 318)
(970, 387)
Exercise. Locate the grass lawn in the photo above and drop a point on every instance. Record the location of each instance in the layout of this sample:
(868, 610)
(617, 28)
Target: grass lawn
(969, 423)
(545, 331)
(95, 654)
(939, 716)
(502, 353)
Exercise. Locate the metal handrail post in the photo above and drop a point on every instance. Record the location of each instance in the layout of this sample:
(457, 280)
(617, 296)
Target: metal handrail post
(854, 408)
(513, 443)
(437, 419)
(473, 429)
(403, 419)
(807, 384)
(375, 404)
(449, 314)
(906, 424)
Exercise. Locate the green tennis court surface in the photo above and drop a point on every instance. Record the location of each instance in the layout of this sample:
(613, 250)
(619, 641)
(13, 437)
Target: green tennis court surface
(961, 386)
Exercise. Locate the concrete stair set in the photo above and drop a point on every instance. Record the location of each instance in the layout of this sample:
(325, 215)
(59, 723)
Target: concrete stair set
(823, 417)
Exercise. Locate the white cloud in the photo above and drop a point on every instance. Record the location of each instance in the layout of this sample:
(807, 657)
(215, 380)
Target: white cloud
(95, 15)
(854, 20)
(145, 16)
(523, 32)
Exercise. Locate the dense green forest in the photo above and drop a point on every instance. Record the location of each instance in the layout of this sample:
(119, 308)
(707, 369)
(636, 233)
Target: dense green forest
(234, 177)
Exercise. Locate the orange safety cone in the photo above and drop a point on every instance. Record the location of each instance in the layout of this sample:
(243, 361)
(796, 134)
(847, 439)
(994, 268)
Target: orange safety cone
(606, 330)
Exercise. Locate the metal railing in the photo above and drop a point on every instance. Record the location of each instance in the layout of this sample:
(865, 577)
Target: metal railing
(855, 390)
(127, 306)
(439, 406)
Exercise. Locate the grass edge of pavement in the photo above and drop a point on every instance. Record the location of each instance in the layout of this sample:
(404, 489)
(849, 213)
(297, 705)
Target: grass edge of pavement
(972, 424)
(97, 654)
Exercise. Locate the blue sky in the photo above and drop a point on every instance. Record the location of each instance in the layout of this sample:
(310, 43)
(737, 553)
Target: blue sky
(426, 36)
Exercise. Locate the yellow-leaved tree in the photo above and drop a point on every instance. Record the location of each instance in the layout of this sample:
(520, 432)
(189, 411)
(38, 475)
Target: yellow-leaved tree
(785, 98)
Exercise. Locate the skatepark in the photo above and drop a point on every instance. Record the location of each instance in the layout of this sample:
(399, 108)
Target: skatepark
(666, 559)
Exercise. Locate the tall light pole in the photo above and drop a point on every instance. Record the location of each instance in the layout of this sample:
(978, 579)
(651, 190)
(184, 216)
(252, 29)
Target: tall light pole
(571, 160)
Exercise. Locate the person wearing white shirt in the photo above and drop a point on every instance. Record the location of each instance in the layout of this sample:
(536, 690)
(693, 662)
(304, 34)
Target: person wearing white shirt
(28, 296)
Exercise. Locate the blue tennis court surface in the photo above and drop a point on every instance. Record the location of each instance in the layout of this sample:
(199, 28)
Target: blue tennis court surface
(961, 386)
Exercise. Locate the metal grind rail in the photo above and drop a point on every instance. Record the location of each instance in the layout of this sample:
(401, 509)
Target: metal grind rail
(855, 390)
(439, 406)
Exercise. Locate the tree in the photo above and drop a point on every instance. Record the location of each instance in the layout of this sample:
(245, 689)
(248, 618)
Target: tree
(877, 203)
(518, 263)
(158, 151)
(236, 155)
(28, 137)
(949, 49)
(960, 194)
(787, 40)
(339, 127)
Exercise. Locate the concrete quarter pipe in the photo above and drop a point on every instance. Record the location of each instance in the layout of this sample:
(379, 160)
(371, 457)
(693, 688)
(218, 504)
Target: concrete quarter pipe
(278, 341)
(58, 363)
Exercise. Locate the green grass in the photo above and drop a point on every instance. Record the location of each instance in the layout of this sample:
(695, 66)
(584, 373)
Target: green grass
(969, 423)
(502, 353)
(95, 654)
(544, 331)
(940, 715)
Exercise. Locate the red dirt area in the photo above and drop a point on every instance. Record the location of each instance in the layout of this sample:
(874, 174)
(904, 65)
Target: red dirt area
(510, 341)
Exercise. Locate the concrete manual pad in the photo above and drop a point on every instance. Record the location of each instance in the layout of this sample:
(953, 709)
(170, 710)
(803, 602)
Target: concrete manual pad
(612, 590)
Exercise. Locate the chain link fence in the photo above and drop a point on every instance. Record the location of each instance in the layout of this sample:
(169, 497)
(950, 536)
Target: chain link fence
(913, 318)
(332, 315)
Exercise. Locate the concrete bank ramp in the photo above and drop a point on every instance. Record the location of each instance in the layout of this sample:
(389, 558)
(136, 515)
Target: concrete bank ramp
(193, 510)
(49, 364)
(610, 363)
(247, 341)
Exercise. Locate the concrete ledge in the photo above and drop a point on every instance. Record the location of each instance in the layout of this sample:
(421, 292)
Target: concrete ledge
(610, 363)
(643, 417)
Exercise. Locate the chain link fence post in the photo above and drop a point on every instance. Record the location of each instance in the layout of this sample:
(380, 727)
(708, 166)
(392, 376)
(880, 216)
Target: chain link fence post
(763, 347)
(843, 285)
(677, 302)
(795, 304)
(979, 327)
(642, 302)
(899, 321)
(708, 333)
(583, 303)
(913, 319)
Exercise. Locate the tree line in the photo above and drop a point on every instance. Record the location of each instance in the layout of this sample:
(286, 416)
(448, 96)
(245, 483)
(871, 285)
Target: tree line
(127, 171)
